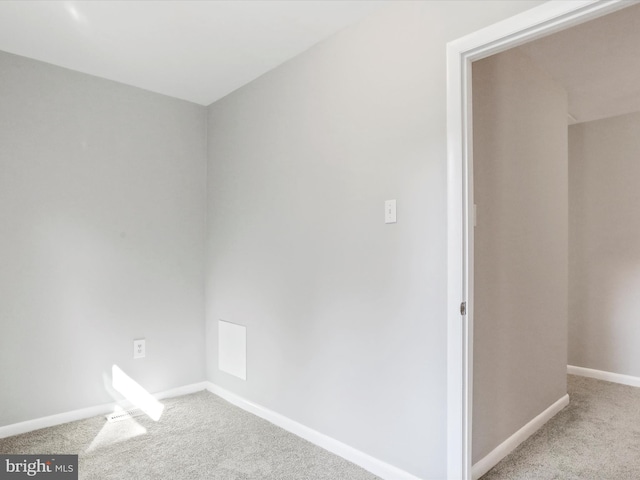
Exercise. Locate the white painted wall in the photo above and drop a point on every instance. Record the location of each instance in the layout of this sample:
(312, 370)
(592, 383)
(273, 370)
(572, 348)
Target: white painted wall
(521, 250)
(345, 316)
(102, 198)
(604, 269)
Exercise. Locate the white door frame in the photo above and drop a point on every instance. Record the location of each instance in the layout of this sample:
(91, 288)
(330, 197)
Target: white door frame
(547, 18)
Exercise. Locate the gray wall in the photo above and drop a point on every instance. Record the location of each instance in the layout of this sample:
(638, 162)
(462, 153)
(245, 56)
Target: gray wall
(521, 250)
(102, 198)
(604, 268)
(345, 316)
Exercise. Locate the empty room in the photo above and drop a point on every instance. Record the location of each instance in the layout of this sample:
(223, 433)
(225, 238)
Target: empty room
(237, 242)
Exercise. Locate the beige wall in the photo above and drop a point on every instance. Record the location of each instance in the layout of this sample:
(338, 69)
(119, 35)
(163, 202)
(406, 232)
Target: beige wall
(520, 316)
(345, 316)
(604, 271)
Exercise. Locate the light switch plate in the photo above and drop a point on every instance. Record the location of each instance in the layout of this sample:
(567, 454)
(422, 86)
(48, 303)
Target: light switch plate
(390, 211)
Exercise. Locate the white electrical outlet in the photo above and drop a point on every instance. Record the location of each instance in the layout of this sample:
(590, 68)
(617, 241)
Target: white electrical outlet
(139, 349)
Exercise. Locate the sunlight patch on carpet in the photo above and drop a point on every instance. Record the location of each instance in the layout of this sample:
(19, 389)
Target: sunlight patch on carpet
(116, 432)
(136, 394)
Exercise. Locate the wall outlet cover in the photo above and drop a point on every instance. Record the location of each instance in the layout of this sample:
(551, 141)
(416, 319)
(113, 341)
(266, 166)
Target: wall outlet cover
(139, 348)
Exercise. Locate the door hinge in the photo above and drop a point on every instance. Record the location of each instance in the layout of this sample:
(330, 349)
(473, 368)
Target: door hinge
(463, 308)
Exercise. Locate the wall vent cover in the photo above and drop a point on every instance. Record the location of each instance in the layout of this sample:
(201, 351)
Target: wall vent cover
(123, 415)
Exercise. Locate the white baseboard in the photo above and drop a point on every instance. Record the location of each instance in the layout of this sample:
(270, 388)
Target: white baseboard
(510, 444)
(373, 465)
(82, 413)
(183, 390)
(602, 375)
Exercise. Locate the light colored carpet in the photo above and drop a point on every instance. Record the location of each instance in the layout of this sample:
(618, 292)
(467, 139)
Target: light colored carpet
(199, 436)
(596, 437)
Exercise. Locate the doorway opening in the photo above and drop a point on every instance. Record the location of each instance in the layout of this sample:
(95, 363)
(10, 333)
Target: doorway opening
(536, 23)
